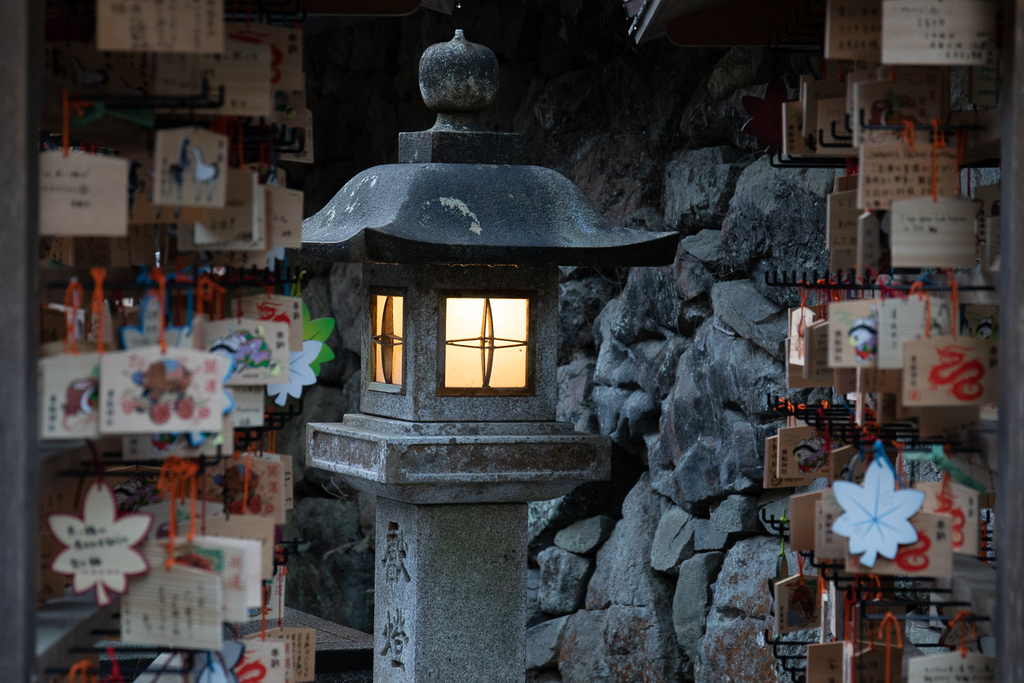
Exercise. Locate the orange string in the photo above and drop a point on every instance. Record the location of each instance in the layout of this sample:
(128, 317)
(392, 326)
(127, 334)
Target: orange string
(892, 74)
(80, 669)
(174, 474)
(938, 142)
(962, 618)
(72, 300)
(910, 135)
(98, 275)
(65, 143)
(161, 281)
(887, 625)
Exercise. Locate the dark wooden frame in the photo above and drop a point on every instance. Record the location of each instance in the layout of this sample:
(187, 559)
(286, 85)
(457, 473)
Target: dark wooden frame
(371, 384)
(531, 341)
(20, 33)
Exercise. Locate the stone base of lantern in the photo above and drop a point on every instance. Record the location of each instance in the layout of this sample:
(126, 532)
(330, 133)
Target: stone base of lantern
(450, 593)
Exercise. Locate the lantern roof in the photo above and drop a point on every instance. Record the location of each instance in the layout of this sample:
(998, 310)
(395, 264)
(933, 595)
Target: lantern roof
(457, 198)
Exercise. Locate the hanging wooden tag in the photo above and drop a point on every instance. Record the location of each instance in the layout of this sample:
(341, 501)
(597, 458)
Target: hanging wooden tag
(802, 454)
(841, 230)
(826, 662)
(69, 401)
(796, 604)
(285, 44)
(271, 659)
(258, 349)
(144, 391)
(147, 332)
(276, 597)
(881, 101)
(226, 484)
(793, 142)
(248, 412)
(946, 421)
(771, 467)
(160, 26)
(948, 371)
(816, 368)
(253, 527)
(980, 320)
(869, 244)
(952, 667)
(961, 503)
(938, 32)
(242, 224)
(178, 607)
(827, 545)
(839, 461)
(799, 320)
(853, 30)
(287, 480)
(889, 172)
(831, 134)
(279, 309)
(285, 224)
(190, 168)
(869, 663)
(802, 521)
(931, 556)
(243, 69)
(933, 234)
(853, 334)
(160, 446)
(899, 321)
(83, 194)
(303, 641)
(305, 132)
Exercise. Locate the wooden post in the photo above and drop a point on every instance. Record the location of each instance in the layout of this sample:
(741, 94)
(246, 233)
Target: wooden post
(1010, 495)
(19, 230)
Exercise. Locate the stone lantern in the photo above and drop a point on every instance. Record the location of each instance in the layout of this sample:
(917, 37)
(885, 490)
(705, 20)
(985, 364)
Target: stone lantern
(460, 250)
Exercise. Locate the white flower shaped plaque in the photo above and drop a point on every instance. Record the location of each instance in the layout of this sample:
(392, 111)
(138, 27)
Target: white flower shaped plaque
(876, 516)
(100, 546)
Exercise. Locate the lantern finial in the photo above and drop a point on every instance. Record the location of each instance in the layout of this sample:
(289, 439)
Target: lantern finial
(458, 80)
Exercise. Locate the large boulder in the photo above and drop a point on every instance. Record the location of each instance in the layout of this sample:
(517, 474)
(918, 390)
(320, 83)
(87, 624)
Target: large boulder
(693, 600)
(544, 642)
(673, 541)
(624, 575)
(575, 393)
(585, 536)
(739, 305)
(736, 516)
(579, 302)
(733, 648)
(619, 645)
(776, 221)
(698, 186)
(711, 438)
(563, 580)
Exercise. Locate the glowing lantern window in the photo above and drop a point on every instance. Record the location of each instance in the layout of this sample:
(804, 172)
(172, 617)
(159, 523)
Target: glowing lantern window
(487, 346)
(386, 342)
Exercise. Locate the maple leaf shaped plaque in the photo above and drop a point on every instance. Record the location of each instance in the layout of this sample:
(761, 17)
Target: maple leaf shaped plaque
(765, 123)
(100, 546)
(876, 516)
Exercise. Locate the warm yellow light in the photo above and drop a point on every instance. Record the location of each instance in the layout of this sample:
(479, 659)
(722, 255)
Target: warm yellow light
(486, 343)
(386, 342)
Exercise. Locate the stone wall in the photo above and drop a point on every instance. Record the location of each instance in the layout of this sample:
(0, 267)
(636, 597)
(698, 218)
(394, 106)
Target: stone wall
(659, 574)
